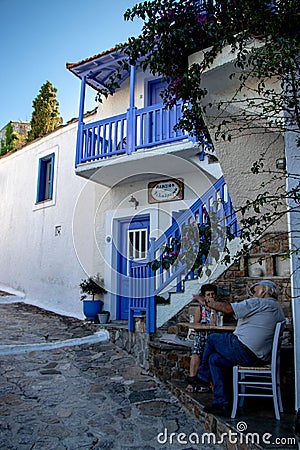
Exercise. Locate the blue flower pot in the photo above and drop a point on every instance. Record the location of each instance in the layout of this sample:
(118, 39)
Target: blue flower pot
(91, 308)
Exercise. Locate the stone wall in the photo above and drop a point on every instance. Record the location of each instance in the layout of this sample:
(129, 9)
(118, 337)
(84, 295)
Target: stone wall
(265, 261)
(18, 127)
(136, 344)
(168, 361)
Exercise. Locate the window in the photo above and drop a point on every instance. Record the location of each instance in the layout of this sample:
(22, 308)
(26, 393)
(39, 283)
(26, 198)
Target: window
(137, 243)
(45, 178)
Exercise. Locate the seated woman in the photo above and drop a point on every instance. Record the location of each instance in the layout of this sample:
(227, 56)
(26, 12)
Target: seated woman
(208, 292)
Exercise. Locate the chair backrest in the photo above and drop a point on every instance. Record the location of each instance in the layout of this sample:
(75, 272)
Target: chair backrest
(276, 344)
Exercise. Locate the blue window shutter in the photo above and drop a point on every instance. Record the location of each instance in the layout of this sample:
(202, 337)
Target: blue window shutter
(39, 183)
(51, 177)
(45, 178)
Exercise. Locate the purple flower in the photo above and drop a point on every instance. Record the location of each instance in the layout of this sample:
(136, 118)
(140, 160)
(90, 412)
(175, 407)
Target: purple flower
(172, 100)
(201, 18)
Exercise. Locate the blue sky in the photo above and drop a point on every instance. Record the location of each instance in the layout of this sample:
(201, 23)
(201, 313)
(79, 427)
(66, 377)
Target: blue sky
(38, 38)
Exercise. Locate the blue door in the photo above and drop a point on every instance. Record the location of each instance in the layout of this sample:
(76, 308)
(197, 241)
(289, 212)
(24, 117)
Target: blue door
(155, 89)
(158, 125)
(133, 245)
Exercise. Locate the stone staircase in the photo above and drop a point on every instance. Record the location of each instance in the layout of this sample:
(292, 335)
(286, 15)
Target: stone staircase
(253, 429)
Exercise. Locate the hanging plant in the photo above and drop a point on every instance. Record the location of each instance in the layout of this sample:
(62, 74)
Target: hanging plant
(190, 248)
(194, 246)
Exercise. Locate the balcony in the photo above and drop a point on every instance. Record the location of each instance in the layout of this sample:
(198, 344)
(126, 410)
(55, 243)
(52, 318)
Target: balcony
(127, 144)
(128, 139)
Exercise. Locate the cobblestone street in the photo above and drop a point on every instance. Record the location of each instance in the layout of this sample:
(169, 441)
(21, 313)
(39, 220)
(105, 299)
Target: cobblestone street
(84, 396)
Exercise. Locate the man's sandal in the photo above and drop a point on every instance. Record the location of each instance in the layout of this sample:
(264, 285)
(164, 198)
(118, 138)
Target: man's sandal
(201, 389)
(196, 385)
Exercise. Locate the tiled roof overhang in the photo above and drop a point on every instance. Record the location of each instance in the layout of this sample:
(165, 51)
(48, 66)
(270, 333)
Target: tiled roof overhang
(99, 68)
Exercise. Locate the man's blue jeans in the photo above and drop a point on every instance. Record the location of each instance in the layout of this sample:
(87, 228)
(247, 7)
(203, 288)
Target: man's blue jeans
(223, 351)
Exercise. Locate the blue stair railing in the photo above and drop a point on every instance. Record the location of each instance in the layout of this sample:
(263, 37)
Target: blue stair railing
(145, 284)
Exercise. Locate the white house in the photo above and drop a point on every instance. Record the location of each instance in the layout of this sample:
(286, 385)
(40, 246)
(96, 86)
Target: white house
(92, 197)
(67, 215)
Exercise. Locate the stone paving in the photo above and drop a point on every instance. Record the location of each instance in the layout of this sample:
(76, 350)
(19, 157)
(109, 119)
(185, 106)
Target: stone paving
(89, 396)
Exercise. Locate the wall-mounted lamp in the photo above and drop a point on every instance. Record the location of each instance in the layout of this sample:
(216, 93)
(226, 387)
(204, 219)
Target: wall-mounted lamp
(134, 200)
(281, 163)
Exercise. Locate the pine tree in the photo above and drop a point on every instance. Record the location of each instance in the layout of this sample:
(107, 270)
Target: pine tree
(45, 117)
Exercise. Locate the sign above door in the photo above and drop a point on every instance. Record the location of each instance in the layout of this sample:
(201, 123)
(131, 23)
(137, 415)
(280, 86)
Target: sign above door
(165, 190)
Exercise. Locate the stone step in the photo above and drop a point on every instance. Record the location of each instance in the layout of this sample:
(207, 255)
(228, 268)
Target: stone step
(253, 428)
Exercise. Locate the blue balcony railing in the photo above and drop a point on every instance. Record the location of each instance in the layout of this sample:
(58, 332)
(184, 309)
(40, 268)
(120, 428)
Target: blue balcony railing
(127, 133)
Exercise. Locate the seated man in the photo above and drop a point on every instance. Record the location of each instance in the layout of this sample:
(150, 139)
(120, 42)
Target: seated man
(249, 345)
(208, 292)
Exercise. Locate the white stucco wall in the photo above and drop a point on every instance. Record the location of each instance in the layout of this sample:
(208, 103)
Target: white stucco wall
(246, 147)
(119, 102)
(33, 259)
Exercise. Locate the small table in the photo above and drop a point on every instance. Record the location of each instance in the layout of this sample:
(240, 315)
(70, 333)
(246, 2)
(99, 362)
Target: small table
(203, 327)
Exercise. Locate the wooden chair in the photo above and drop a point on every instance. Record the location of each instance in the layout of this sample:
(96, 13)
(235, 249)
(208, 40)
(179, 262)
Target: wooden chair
(261, 381)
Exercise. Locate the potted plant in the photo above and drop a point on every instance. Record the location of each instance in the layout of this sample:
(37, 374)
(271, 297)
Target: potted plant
(92, 289)
(103, 316)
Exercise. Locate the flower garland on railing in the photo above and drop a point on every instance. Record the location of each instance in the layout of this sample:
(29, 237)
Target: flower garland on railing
(196, 246)
(190, 249)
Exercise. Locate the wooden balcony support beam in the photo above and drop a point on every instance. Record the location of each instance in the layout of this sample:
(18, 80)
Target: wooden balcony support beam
(80, 121)
(131, 114)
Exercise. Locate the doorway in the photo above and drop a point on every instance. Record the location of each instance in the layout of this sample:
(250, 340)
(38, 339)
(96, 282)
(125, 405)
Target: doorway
(133, 245)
